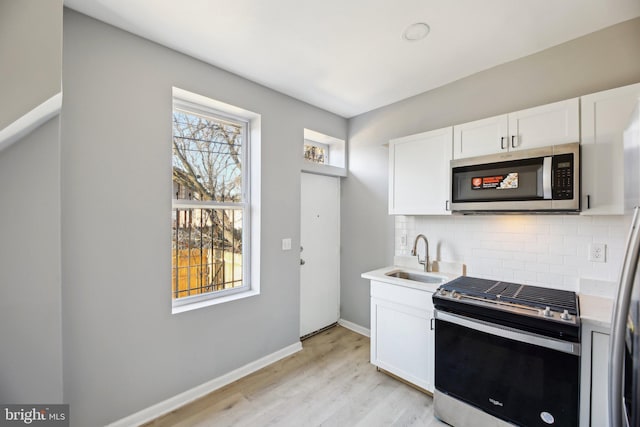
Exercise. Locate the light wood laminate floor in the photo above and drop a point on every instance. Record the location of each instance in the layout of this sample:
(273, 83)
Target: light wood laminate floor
(329, 383)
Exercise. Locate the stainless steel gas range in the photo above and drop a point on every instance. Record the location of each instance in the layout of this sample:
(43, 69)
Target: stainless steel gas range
(506, 354)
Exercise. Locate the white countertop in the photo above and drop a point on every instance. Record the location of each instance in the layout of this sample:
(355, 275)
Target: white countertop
(380, 275)
(595, 310)
(445, 270)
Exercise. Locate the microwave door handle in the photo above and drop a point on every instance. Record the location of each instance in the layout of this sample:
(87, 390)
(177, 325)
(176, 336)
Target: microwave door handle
(546, 177)
(619, 323)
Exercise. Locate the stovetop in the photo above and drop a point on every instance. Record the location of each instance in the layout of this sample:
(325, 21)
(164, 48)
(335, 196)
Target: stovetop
(552, 312)
(527, 295)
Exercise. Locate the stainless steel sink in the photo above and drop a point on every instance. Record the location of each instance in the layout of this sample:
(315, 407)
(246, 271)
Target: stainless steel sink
(424, 278)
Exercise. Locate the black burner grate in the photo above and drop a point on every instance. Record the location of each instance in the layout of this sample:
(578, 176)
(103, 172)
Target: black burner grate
(532, 296)
(504, 289)
(545, 297)
(472, 284)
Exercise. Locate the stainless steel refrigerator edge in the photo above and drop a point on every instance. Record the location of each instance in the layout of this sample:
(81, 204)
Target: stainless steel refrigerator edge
(624, 367)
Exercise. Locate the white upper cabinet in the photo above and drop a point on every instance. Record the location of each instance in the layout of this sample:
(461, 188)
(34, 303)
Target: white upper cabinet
(551, 124)
(604, 118)
(419, 176)
(486, 136)
(419, 169)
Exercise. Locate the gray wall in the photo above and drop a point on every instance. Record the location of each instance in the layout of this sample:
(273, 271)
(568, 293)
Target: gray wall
(31, 52)
(30, 317)
(30, 313)
(123, 349)
(601, 60)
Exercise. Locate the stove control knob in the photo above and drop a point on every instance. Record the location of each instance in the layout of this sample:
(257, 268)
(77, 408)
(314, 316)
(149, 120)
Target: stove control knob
(443, 292)
(547, 312)
(455, 294)
(565, 315)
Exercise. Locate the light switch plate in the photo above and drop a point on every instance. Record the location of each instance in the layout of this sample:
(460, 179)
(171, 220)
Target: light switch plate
(286, 244)
(597, 252)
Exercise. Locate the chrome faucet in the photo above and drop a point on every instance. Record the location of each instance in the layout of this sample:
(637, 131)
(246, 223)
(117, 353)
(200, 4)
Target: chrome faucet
(414, 251)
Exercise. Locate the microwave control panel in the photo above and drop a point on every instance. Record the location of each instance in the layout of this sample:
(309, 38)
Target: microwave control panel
(562, 177)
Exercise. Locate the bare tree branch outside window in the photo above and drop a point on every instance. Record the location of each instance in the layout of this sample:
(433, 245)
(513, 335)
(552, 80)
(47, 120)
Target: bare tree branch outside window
(207, 167)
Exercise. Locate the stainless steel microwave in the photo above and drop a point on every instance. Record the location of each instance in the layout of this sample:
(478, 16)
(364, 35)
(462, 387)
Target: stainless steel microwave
(545, 180)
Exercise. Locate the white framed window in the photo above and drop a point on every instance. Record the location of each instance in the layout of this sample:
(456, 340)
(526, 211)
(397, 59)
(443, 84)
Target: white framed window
(323, 154)
(213, 205)
(316, 152)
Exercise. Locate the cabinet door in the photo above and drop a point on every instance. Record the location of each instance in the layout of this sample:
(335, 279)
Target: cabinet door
(431, 348)
(599, 379)
(481, 137)
(550, 124)
(419, 176)
(402, 342)
(604, 118)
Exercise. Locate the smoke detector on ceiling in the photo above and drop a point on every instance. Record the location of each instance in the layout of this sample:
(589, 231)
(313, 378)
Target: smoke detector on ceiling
(415, 32)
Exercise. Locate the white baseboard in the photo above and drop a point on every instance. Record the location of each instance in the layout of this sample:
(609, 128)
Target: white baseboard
(175, 402)
(355, 327)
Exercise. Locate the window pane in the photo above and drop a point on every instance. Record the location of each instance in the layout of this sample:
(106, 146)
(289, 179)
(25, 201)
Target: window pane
(206, 251)
(207, 158)
(316, 153)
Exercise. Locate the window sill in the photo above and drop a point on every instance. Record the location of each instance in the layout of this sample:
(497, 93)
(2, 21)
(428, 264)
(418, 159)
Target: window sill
(214, 301)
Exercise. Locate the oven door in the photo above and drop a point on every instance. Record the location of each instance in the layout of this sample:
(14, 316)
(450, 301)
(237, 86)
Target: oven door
(522, 378)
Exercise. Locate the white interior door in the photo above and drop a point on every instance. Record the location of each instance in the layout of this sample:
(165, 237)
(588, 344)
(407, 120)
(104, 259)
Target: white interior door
(320, 254)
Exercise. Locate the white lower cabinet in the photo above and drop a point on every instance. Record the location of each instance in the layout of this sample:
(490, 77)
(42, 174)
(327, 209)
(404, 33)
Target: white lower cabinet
(599, 379)
(594, 399)
(402, 341)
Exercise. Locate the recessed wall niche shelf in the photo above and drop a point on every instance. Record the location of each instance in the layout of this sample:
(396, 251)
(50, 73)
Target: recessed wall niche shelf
(323, 154)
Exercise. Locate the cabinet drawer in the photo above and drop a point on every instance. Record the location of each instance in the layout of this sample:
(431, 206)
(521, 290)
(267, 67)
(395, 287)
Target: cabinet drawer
(402, 295)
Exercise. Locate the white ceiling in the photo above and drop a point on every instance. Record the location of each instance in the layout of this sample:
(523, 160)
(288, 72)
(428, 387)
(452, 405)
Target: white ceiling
(348, 56)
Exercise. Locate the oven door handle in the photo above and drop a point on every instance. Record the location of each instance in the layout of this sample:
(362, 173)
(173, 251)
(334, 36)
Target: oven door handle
(509, 333)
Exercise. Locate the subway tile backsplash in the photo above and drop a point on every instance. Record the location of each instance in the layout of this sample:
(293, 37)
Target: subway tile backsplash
(541, 250)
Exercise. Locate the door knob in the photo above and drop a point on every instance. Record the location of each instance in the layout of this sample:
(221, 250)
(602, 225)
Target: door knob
(302, 262)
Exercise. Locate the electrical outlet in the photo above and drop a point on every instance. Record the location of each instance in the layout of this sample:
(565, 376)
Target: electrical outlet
(403, 239)
(597, 252)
